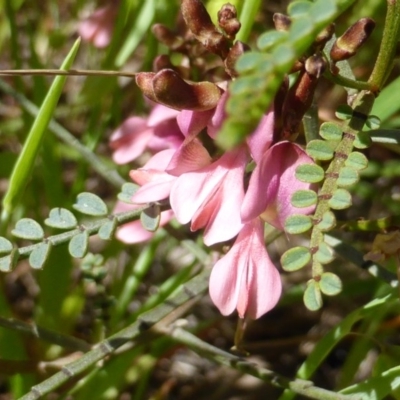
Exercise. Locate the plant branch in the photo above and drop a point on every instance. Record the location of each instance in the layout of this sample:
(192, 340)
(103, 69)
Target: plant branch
(71, 72)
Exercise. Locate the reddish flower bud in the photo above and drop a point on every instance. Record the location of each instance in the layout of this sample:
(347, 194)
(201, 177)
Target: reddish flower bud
(325, 35)
(348, 44)
(227, 20)
(166, 36)
(199, 22)
(315, 65)
(234, 53)
(168, 88)
(281, 21)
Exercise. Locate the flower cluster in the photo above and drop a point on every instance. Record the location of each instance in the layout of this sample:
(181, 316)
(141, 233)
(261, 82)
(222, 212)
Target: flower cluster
(229, 195)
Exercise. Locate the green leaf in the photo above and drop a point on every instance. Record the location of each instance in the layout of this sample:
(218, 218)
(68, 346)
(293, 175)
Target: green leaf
(344, 112)
(327, 222)
(78, 245)
(362, 140)
(376, 387)
(330, 284)
(310, 173)
(27, 228)
(347, 177)
(373, 122)
(127, 191)
(357, 161)
(324, 254)
(299, 8)
(251, 60)
(39, 255)
(90, 204)
(320, 150)
(5, 246)
(107, 230)
(312, 296)
(387, 103)
(7, 262)
(322, 11)
(331, 131)
(299, 223)
(270, 39)
(304, 198)
(25, 162)
(150, 218)
(295, 258)
(340, 199)
(61, 218)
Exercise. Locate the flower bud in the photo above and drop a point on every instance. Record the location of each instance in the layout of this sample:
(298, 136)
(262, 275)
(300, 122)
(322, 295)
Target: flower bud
(347, 45)
(325, 35)
(282, 22)
(234, 53)
(168, 88)
(166, 36)
(227, 20)
(199, 22)
(315, 65)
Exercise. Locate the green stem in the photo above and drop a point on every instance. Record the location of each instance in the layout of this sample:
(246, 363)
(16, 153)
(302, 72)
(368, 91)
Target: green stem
(387, 50)
(247, 18)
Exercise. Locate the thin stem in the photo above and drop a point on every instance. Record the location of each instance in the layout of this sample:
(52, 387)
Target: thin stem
(141, 327)
(387, 49)
(299, 386)
(247, 18)
(71, 72)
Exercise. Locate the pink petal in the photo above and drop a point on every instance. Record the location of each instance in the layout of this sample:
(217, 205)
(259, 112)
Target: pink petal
(160, 114)
(261, 139)
(156, 190)
(129, 141)
(245, 277)
(192, 122)
(211, 197)
(191, 156)
(218, 117)
(273, 183)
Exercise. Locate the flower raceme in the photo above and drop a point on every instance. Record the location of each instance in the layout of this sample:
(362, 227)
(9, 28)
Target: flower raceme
(210, 194)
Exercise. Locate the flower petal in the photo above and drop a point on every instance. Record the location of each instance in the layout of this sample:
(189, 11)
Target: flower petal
(193, 122)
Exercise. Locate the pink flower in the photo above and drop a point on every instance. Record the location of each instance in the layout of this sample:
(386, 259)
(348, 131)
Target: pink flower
(211, 197)
(98, 27)
(245, 279)
(273, 183)
(157, 132)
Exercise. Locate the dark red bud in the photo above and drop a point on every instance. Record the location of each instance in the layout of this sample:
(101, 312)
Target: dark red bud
(325, 35)
(348, 44)
(168, 88)
(227, 20)
(145, 82)
(199, 22)
(166, 36)
(234, 53)
(315, 65)
(281, 21)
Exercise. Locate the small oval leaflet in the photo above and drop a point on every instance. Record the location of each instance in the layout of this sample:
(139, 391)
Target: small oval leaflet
(283, 55)
(61, 218)
(312, 296)
(348, 176)
(270, 39)
(357, 161)
(150, 218)
(295, 258)
(90, 204)
(344, 112)
(298, 223)
(127, 191)
(327, 222)
(251, 60)
(323, 10)
(331, 132)
(373, 122)
(39, 255)
(310, 173)
(107, 230)
(5, 246)
(330, 284)
(340, 199)
(320, 150)
(362, 140)
(27, 228)
(299, 8)
(304, 198)
(7, 262)
(78, 245)
(324, 254)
